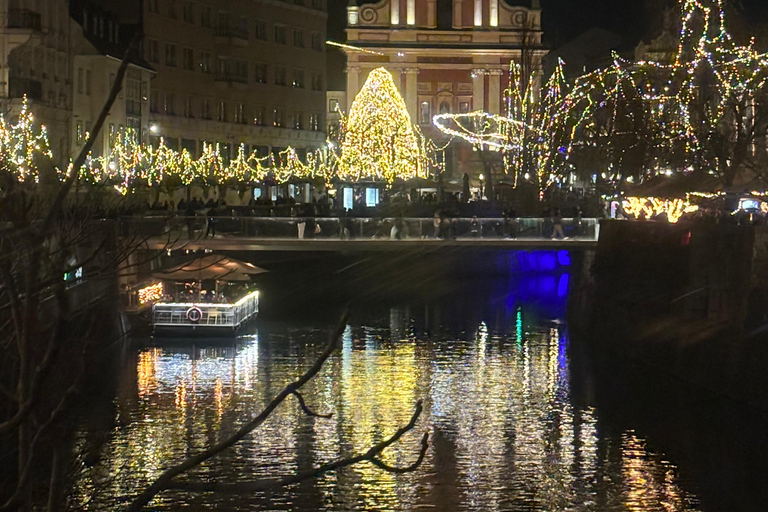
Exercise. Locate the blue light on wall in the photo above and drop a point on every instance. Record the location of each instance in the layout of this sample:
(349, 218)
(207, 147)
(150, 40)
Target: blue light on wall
(543, 261)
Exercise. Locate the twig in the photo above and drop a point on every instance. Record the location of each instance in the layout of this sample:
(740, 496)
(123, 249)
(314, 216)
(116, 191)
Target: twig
(307, 410)
(164, 481)
(369, 456)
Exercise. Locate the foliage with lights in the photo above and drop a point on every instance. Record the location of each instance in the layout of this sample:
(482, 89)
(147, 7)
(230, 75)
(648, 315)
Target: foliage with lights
(700, 109)
(24, 148)
(527, 135)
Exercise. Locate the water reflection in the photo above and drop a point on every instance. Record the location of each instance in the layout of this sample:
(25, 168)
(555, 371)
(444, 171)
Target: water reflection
(506, 435)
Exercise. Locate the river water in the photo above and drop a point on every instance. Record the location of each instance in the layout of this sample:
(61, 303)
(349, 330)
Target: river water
(493, 367)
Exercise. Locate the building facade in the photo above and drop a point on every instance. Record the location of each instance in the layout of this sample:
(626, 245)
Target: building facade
(447, 56)
(237, 72)
(36, 61)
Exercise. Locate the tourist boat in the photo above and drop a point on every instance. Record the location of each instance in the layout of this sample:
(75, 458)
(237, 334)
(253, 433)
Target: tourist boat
(203, 319)
(193, 312)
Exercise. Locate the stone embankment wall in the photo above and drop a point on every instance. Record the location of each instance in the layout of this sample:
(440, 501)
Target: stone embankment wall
(688, 299)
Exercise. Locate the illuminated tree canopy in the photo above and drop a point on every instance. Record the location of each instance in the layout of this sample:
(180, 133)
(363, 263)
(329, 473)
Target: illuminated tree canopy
(380, 142)
(706, 110)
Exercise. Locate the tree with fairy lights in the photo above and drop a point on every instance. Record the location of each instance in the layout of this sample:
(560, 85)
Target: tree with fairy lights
(706, 111)
(379, 142)
(527, 134)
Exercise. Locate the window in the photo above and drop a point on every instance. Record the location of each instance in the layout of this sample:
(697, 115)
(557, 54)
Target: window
(223, 21)
(205, 109)
(188, 107)
(206, 62)
(88, 82)
(333, 105)
(314, 122)
(258, 115)
(172, 9)
(424, 117)
(205, 16)
(111, 134)
(169, 107)
(241, 70)
(152, 6)
(298, 38)
(222, 113)
(260, 73)
(240, 113)
(445, 108)
(296, 121)
(188, 59)
(279, 75)
(280, 34)
(261, 30)
(189, 14)
(221, 68)
(154, 101)
(277, 117)
(317, 41)
(80, 80)
(79, 132)
(242, 27)
(317, 81)
(170, 54)
(463, 107)
(298, 79)
(152, 51)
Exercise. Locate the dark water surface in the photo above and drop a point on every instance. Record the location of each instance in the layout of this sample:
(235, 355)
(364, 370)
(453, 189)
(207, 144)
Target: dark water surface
(492, 365)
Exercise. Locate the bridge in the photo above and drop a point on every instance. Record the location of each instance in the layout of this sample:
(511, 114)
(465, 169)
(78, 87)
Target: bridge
(355, 234)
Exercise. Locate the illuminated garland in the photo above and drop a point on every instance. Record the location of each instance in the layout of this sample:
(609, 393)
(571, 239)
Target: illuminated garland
(653, 206)
(526, 135)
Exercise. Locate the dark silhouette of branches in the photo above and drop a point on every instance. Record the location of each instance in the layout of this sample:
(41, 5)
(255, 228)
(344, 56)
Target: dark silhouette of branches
(166, 480)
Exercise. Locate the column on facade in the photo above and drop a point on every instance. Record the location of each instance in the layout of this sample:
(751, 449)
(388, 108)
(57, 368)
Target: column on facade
(494, 90)
(353, 85)
(394, 12)
(478, 89)
(457, 13)
(412, 92)
(431, 14)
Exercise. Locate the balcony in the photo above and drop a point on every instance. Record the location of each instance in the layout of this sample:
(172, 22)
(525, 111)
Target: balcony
(231, 79)
(231, 36)
(24, 19)
(18, 87)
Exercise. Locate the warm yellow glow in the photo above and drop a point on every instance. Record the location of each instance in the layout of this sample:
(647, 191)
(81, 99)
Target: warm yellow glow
(380, 142)
(151, 293)
(652, 206)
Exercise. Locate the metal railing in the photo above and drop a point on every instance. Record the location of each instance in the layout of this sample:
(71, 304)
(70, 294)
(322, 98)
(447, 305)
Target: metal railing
(190, 314)
(357, 227)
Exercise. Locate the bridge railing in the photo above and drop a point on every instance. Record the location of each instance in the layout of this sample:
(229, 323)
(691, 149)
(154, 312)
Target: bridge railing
(354, 227)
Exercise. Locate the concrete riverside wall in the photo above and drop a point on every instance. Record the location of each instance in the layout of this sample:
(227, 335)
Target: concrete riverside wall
(688, 299)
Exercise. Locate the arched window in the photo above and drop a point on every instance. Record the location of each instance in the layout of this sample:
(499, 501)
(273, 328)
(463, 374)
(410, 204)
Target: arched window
(424, 114)
(445, 108)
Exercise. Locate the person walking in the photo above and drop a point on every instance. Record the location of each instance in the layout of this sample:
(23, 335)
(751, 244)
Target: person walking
(557, 225)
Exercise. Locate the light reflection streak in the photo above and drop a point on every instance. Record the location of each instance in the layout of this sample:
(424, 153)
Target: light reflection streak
(512, 438)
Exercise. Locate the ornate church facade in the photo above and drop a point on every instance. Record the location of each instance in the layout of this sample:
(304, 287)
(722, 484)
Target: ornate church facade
(447, 56)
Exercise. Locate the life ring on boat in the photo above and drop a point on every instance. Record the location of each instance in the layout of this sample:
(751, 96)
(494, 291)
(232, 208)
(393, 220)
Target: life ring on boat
(194, 314)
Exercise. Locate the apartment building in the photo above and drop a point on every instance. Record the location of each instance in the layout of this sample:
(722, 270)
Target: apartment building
(237, 72)
(99, 45)
(64, 57)
(35, 60)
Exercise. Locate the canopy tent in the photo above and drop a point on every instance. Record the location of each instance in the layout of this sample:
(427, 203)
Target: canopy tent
(212, 266)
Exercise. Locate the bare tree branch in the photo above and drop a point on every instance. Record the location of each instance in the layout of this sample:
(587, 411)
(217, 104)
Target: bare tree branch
(369, 456)
(165, 480)
(307, 410)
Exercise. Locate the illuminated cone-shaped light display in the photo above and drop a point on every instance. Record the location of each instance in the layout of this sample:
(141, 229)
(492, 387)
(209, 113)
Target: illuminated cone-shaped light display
(380, 142)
